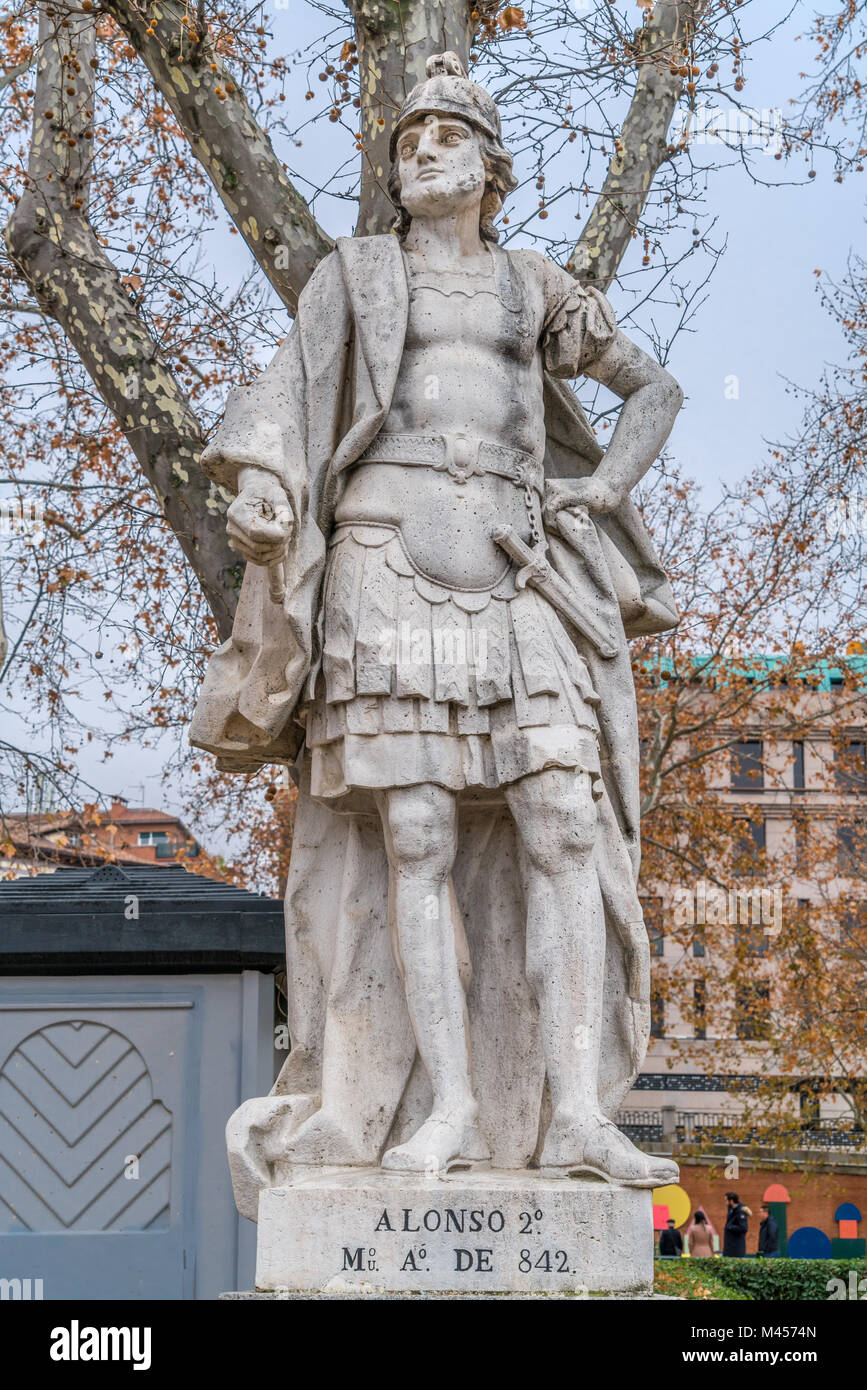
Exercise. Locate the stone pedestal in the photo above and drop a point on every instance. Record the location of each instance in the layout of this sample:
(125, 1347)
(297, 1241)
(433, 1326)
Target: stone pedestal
(364, 1231)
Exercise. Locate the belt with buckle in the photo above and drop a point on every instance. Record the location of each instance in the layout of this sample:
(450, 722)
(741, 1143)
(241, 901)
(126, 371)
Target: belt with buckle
(461, 455)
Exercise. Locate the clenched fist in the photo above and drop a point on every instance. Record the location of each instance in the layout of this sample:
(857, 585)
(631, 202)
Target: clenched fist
(259, 522)
(592, 493)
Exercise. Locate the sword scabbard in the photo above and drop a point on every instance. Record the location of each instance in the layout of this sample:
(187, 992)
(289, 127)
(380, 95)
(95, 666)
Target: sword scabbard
(536, 571)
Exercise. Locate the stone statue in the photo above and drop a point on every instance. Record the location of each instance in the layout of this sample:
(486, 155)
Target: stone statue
(443, 571)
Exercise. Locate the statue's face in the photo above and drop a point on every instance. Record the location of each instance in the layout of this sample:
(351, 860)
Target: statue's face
(440, 166)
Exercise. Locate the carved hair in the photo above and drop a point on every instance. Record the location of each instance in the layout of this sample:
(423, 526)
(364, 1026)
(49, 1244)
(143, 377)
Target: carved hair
(499, 179)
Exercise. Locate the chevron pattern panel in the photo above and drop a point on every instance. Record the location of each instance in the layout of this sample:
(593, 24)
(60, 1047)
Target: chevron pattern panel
(76, 1101)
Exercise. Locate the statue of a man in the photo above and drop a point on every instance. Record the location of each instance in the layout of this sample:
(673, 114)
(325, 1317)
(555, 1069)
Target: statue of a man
(433, 633)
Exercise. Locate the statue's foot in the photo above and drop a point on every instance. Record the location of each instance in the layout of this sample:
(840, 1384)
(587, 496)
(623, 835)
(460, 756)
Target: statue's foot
(449, 1139)
(593, 1144)
(323, 1142)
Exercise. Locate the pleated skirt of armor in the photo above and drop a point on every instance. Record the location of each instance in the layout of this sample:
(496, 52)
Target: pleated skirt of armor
(420, 682)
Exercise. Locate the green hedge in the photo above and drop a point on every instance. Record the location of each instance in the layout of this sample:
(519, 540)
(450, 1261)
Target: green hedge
(692, 1280)
(775, 1280)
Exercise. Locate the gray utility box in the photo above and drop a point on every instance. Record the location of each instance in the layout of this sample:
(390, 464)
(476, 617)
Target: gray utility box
(136, 1013)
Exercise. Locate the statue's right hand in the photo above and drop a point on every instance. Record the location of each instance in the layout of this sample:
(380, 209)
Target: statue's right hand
(259, 522)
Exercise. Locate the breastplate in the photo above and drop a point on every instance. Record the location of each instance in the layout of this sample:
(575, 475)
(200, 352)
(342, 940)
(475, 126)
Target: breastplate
(447, 508)
(488, 306)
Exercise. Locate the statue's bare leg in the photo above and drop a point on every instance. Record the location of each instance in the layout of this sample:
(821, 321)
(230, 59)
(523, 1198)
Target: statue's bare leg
(557, 824)
(420, 828)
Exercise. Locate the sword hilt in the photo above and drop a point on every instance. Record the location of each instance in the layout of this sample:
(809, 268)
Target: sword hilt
(276, 583)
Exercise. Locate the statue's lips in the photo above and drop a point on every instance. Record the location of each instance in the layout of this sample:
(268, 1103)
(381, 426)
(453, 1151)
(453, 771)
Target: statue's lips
(429, 174)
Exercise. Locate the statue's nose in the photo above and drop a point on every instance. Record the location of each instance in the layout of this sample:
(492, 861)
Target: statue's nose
(427, 149)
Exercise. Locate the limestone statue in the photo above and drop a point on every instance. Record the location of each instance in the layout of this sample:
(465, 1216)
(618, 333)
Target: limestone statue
(443, 572)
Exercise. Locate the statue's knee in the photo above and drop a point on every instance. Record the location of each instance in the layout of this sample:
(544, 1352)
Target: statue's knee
(421, 831)
(559, 832)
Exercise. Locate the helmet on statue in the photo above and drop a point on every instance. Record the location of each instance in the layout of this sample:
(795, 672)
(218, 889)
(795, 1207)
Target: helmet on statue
(448, 91)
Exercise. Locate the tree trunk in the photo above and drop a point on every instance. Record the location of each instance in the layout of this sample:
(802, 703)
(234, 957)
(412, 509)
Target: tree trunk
(56, 250)
(661, 45)
(394, 43)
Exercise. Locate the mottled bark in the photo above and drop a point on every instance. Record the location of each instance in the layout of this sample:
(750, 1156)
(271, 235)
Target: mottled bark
(228, 142)
(56, 250)
(394, 41)
(643, 145)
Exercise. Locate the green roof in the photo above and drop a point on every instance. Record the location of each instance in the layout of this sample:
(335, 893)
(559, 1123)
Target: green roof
(821, 675)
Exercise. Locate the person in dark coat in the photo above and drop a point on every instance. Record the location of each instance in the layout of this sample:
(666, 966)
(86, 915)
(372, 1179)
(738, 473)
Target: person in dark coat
(670, 1241)
(769, 1235)
(735, 1234)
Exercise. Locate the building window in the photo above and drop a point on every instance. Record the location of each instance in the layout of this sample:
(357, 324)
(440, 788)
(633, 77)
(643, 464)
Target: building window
(809, 1105)
(850, 766)
(798, 765)
(698, 942)
(152, 837)
(853, 927)
(657, 1014)
(652, 909)
(699, 1005)
(752, 1010)
(802, 841)
(749, 846)
(748, 771)
(751, 936)
(851, 846)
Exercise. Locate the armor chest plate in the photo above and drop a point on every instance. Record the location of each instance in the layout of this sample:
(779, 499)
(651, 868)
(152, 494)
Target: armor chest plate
(452, 310)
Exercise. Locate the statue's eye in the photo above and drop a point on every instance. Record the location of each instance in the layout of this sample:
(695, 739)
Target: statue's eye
(407, 150)
(452, 138)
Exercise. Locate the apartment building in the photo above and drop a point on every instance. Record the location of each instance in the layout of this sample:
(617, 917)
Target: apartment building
(793, 778)
(40, 842)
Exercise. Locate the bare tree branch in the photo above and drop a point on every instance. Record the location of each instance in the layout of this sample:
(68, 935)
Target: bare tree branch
(228, 142)
(8, 77)
(4, 643)
(662, 46)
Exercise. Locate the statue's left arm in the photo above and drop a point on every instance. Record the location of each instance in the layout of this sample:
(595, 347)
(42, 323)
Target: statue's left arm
(582, 339)
(651, 400)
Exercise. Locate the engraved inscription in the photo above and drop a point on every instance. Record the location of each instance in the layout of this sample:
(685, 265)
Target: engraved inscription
(463, 1259)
